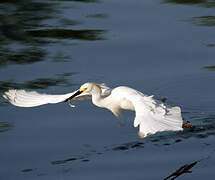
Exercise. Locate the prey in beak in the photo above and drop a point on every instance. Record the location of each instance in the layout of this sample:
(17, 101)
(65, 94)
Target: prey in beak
(76, 94)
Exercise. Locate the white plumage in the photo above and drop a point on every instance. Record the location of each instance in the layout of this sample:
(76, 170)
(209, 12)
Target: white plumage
(151, 115)
(24, 98)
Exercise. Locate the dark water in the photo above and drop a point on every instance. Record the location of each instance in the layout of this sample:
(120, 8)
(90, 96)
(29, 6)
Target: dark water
(165, 48)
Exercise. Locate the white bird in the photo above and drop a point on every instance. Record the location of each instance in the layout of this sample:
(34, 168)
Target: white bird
(151, 115)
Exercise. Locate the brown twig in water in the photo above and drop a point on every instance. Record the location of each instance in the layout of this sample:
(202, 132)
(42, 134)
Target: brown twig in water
(182, 170)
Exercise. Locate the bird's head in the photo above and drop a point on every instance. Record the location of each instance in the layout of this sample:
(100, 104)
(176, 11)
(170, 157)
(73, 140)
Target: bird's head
(86, 87)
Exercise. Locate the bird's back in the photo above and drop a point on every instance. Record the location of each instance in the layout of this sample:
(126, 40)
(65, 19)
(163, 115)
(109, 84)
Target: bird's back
(151, 115)
(120, 95)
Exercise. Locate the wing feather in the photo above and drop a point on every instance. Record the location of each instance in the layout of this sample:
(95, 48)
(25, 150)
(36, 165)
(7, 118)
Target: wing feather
(153, 116)
(24, 98)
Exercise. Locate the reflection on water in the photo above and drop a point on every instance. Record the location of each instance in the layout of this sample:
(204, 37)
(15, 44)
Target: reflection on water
(29, 30)
(203, 131)
(69, 22)
(22, 56)
(185, 1)
(16, 17)
(182, 170)
(169, 138)
(128, 146)
(26, 14)
(27, 170)
(202, 3)
(199, 131)
(99, 15)
(211, 68)
(5, 126)
(68, 33)
(84, 1)
(85, 157)
(203, 20)
(40, 83)
(22, 26)
(208, 21)
(82, 158)
(210, 45)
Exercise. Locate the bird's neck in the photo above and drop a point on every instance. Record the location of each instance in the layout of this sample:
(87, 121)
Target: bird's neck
(97, 99)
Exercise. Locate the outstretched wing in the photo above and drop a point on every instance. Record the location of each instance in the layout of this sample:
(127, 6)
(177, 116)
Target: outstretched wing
(24, 98)
(153, 116)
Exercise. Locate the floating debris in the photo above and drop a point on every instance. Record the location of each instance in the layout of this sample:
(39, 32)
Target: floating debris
(182, 170)
(212, 68)
(64, 161)
(203, 20)
(82, 34)
(99, 15)
(27, 170)
(128, 146)
(5, 126)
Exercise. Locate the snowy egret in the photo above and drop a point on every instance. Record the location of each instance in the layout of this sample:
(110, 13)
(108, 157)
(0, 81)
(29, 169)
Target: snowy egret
(151, 115)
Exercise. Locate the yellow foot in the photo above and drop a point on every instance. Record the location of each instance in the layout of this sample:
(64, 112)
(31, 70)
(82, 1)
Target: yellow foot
(186, 125)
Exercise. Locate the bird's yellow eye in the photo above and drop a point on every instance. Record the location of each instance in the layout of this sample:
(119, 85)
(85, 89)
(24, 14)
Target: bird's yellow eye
(83, 89)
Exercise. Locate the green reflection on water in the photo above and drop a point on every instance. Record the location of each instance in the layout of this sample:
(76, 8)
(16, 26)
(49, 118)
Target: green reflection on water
(185, 1)
(83, 1)
(5, 126)
(202, 3)
(17, 16)
(24, 14)
(99, 15)
(69, 22)
(68, 33)
(26, 28)
(21, 56)
(203, 20)
(212, 68)
(210, 45)
(40, 83)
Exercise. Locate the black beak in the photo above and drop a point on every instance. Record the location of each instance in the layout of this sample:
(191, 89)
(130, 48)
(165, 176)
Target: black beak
(74, 95)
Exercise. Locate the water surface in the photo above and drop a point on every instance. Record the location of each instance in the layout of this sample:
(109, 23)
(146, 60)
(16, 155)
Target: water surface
(165, 48)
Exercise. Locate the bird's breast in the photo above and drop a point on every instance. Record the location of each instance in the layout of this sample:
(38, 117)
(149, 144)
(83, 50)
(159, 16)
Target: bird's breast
(126, 104)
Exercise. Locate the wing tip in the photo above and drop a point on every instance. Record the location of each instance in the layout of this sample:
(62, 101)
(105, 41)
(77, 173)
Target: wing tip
(5, 96)
(9, 95)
